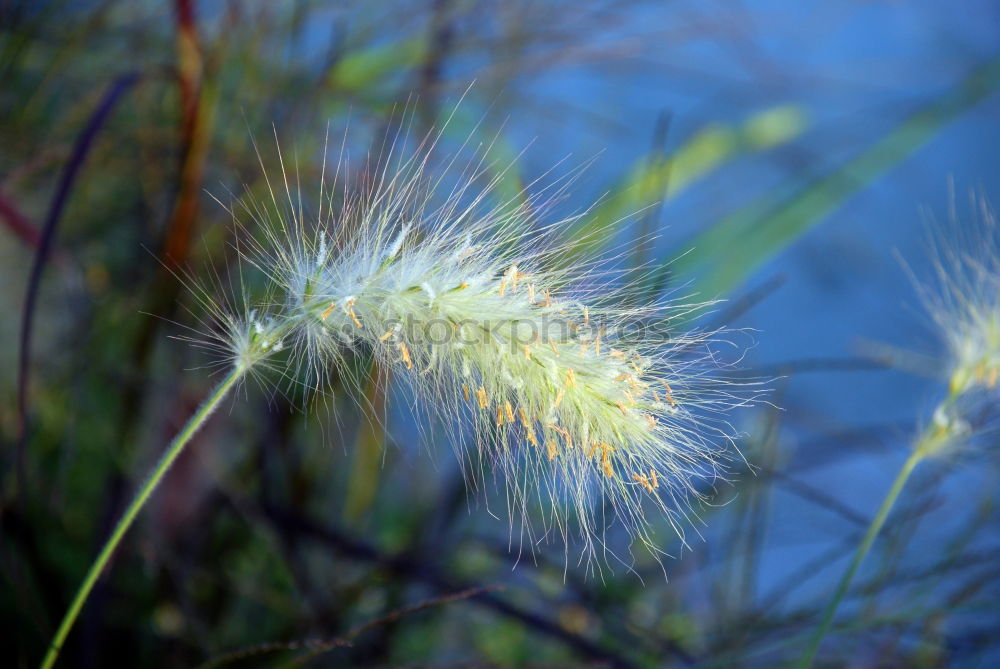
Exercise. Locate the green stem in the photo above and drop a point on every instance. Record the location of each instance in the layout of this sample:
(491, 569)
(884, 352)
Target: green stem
(167, 459)
(873, 531)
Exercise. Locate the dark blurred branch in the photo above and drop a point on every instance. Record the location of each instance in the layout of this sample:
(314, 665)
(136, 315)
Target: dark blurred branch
(614, 619)
(439, 46)
(748, 301)
(319, 646)
(817, 496)
(392, 617)
(412, 568)
(657, 159)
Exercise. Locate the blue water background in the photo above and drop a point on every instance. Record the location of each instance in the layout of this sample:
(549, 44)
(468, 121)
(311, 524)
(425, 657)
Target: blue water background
(858, 69)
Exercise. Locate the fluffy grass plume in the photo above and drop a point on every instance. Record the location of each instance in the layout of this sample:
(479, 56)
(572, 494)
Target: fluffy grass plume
(572, 396)
(964, 301)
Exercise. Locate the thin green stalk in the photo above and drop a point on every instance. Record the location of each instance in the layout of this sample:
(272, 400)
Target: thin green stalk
(166, 460)
(873, 531)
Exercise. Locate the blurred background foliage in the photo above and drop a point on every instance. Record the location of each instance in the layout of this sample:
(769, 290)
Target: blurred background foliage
(771, 153)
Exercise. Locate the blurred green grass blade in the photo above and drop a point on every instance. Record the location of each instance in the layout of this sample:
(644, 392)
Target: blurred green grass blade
(368, 448)
(652, 180)
(358, 70)
(724, 255)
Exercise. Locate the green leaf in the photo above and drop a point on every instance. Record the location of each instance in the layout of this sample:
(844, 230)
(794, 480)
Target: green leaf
(651, 181)
(360, 69)
(725, 254)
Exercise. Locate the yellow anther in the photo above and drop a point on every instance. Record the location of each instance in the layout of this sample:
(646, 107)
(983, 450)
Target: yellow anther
(481, 397)
(652, 476)
(462, 286)
(615, 353)
(528, 428)
(552, 345)
(503, 286)
(326, 312)
(570, 378)
(559, 396)
(349, 306)
(548, 299)
(992, 381)
(622, 408)
(513, 275)
(386, 335)
(669, 393)
(651, 421)
(499, 415)
(509, 411)
(603, 445)
(644, 481)
(465, 391)
(527, 352)
(406, 355)
(622, 376)
(597, 346)
(553, 450)
(656, 396)
(606, 464)
(564, 432)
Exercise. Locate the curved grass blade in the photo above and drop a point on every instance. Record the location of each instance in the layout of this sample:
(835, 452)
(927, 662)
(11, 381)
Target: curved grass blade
(653, 181)
(724, 255)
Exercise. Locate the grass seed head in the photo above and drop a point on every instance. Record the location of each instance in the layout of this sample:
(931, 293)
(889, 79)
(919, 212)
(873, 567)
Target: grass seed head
(964, 301)
(463, 294)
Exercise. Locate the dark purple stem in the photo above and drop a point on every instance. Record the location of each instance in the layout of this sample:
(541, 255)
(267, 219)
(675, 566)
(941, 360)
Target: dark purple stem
(81, 147)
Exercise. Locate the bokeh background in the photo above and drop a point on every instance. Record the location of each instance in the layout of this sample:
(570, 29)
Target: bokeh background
(792, 156)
